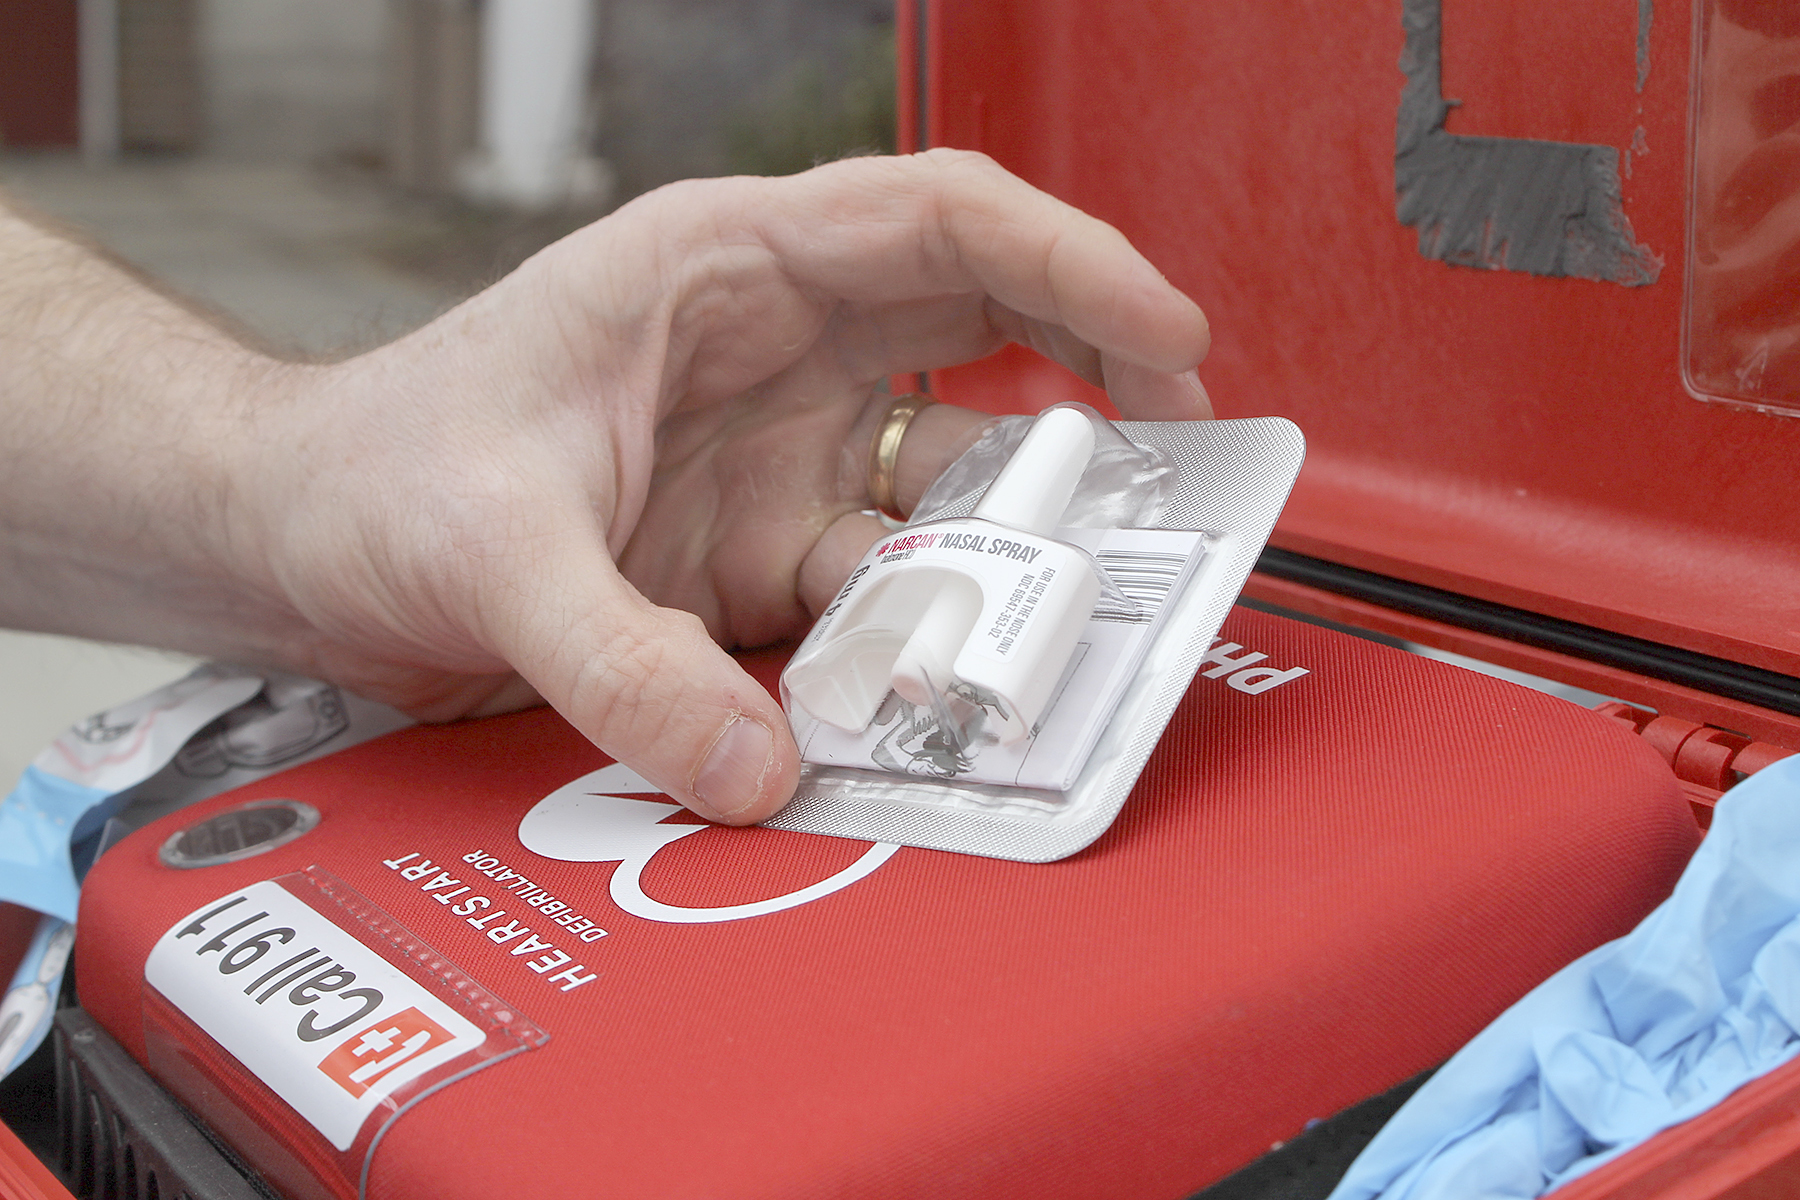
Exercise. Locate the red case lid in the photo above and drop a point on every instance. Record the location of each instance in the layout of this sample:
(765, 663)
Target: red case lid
(1516, 437)
(1314, 892)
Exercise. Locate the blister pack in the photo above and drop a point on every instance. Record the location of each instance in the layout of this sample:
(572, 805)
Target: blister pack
(992, 677)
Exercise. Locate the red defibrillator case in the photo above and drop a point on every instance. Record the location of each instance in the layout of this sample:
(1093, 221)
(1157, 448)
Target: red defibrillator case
(1543, 402)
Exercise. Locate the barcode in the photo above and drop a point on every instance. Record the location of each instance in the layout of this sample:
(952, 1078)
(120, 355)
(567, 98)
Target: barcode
(1145, 577)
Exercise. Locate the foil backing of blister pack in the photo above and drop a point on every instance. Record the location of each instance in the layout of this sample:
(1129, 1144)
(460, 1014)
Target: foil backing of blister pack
(1233, 477)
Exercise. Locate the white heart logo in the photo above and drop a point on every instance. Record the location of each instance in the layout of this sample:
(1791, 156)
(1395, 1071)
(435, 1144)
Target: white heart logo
(585, 820)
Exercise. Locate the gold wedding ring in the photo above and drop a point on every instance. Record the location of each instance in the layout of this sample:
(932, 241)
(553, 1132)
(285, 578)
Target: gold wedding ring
(884, 451)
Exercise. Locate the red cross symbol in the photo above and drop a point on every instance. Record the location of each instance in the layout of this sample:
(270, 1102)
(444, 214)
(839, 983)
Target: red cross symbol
(370, 1053)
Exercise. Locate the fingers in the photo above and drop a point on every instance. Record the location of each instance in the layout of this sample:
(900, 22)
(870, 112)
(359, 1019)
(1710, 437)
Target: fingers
(645, 684)
(916, 335)
(946, 222)
(935, 439)
(833, 557)
(1155, 395)
(1140, 392)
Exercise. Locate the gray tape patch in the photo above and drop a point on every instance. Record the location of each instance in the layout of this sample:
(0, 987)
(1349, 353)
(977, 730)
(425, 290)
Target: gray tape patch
(1643, 60)
(1507, 204)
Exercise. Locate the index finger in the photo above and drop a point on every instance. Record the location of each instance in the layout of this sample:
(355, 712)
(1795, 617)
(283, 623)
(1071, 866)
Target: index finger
(873, 231)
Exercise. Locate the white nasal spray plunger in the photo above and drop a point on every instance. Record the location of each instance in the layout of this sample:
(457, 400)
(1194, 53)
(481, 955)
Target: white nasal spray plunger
(987, 607)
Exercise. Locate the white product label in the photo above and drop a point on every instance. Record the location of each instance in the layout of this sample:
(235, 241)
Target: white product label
(1148, 565)
(327, 1023)
(1005, 560)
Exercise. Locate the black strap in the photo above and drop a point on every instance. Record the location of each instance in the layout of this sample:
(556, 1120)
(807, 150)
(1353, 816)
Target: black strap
(1703, 672)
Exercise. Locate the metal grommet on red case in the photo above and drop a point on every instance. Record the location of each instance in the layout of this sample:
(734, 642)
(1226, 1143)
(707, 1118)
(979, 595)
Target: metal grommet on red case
(238, 833)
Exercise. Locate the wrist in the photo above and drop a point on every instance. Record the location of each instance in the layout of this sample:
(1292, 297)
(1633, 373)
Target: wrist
(122, 428)
(134, 522)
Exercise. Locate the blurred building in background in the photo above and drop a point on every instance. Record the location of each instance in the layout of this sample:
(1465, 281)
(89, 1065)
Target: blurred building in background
(446, 97)
(766, 87)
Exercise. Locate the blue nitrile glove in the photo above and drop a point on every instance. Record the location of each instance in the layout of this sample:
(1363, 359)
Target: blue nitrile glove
(1638, 1035)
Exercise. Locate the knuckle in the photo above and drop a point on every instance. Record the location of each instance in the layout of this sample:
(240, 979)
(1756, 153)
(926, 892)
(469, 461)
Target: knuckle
(952, 159)
(630, 689)
(609, 686)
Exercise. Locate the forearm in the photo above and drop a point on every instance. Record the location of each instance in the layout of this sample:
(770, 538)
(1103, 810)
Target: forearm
(120, 412)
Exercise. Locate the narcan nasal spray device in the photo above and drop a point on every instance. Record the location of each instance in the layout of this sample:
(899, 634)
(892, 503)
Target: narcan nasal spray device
(986, 608)
(992, 678)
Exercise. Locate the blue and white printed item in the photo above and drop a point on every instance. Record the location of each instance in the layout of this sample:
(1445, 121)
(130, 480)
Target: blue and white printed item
(218, 728)
(1632, 1038)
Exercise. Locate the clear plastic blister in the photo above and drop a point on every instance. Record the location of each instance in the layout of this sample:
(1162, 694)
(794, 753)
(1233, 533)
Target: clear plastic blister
(1125, 485)
(1174, 515)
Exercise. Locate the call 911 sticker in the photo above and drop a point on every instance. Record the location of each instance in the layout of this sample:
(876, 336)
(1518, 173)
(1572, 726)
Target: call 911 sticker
(327, 1023)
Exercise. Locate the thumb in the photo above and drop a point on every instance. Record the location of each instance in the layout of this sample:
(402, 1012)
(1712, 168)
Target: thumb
(650, 687)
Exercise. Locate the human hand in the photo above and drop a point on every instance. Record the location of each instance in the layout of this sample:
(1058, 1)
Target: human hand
(650, 442)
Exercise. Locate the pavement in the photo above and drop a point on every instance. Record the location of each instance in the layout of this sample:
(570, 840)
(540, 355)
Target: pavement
(303, 257)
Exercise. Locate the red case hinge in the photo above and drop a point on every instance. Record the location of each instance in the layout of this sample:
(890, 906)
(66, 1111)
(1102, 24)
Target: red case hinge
(1707, 760)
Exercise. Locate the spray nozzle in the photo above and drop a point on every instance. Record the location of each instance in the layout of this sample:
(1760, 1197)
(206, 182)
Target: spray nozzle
(984, 609)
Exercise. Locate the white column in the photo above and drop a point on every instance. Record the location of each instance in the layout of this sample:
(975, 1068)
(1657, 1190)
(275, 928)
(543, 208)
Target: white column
(535, 60)
(97, 49)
